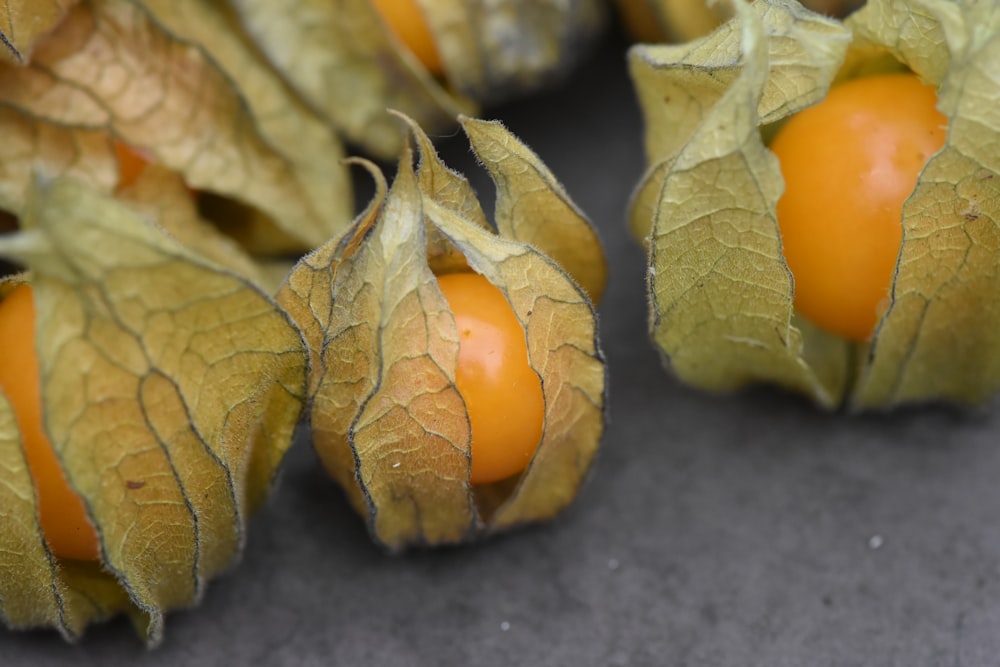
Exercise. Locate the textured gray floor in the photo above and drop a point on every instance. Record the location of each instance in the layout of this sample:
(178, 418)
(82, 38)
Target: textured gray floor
(739, 531)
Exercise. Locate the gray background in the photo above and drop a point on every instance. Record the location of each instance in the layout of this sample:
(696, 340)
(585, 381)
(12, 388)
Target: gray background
(742, 530)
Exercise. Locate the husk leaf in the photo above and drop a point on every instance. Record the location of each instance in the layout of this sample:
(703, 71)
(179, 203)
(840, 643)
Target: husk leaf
(29, 583)
(313, 153)
(388, 421)
(532, 207)
(176, 81)
(305, 295)
(24, 22)
(721, 293)
(721, 296)
(170, 390)
(342, 59)
(37, 590)
(161, 195)
(449, 189)
(938, 339)
(31, 147)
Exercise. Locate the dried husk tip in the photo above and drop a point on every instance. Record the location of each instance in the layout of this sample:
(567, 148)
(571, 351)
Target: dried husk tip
(720, 290)
(132, 330)
(387, 419)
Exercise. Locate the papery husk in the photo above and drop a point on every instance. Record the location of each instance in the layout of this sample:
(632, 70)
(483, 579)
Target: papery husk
(938, 339)
(178, 82)
(32, 148)
(345, 61)
(24, 22)
(720, 290)
(161, 196)
(171, 388)
(388, 422)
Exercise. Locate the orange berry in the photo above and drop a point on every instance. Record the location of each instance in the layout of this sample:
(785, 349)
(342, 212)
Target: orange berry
(131, 163)
(849, 162)
(502, 393)
(63, 517)
(406, 20)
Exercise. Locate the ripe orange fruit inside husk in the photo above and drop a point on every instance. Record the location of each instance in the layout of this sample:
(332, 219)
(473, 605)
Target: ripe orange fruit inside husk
(502, 393)
(61, 511)
(849, 162)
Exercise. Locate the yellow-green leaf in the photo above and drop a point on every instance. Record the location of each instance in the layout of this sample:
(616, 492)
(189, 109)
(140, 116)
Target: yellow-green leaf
(290, 129)
(29, 593)
(911, 33)
(449, 188)
(132, 332)
(306, 296)
(386, 398)
(938, 340)
(34, 148)
(161, 195)
(935, 340)
(341, 58)
(111, 66)
(37, 589)
(720, 289)
(533, 208)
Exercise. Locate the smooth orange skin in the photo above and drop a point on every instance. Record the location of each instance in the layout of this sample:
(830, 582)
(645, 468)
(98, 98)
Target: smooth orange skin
(130, 164)
(502, 393)
(63, 517)
(407, 21)
(849, 163)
